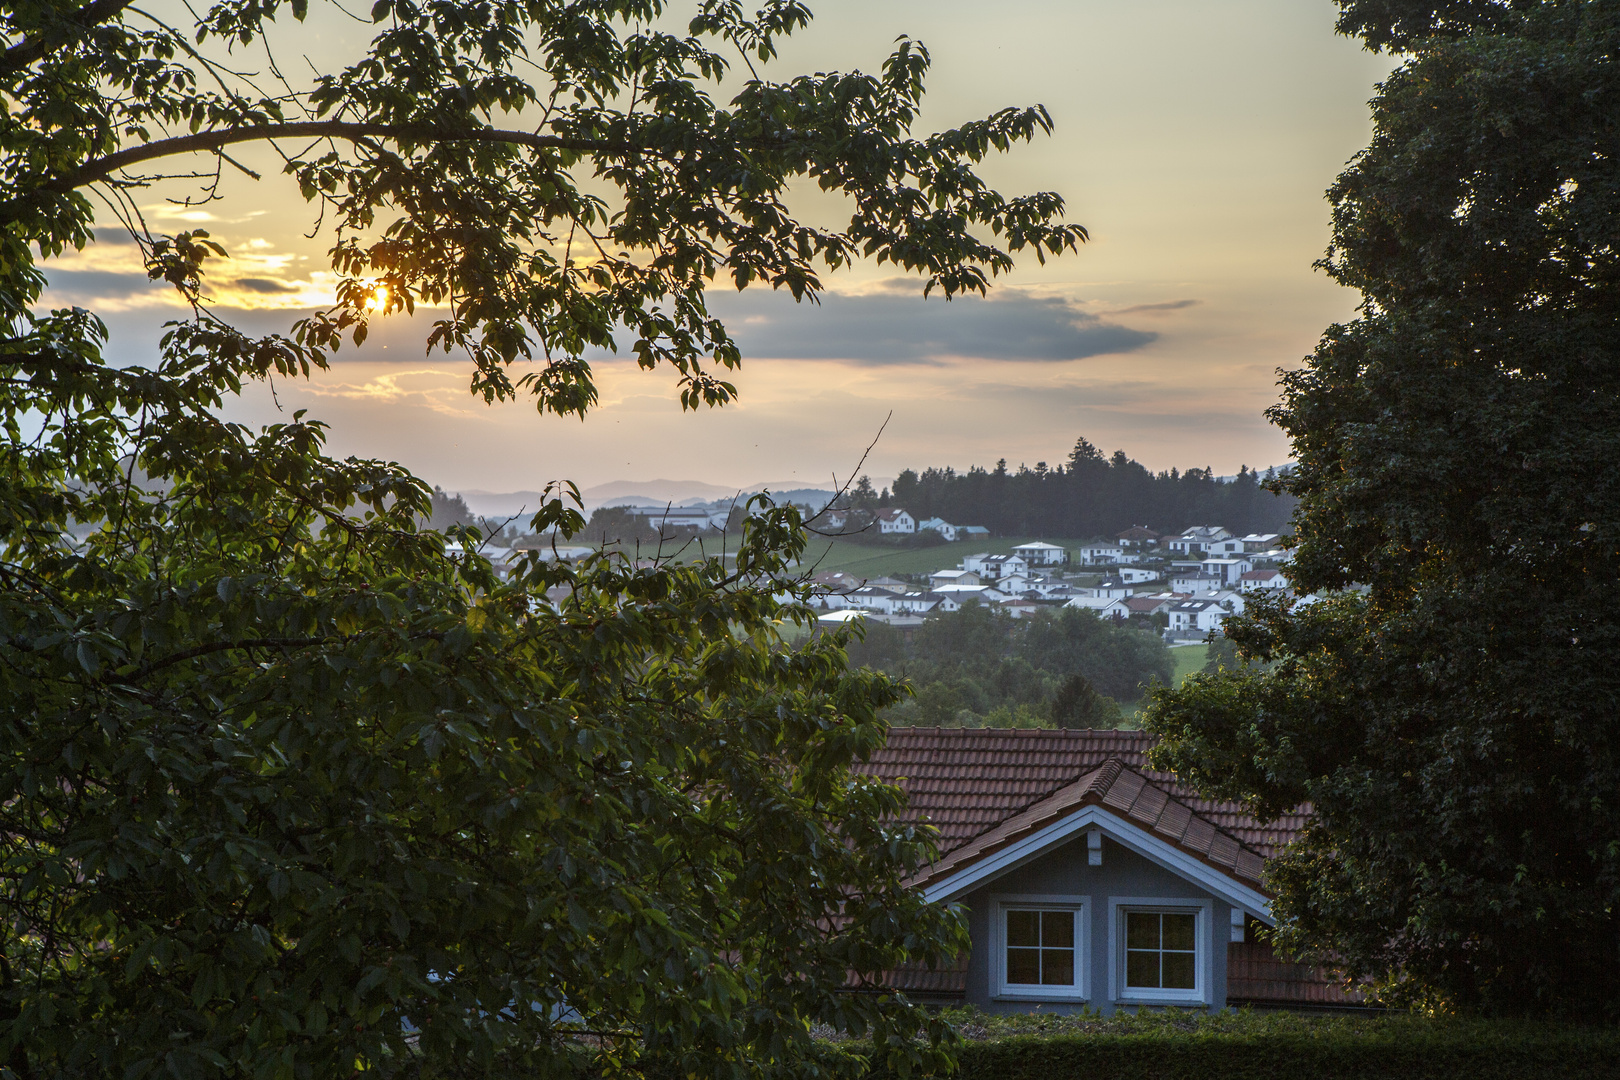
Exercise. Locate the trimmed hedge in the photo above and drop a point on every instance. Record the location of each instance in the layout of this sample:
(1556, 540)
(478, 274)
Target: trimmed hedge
(1270, 1048)
(1260, 1057)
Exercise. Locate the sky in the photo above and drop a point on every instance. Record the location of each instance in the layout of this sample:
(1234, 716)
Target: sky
(1194, 139)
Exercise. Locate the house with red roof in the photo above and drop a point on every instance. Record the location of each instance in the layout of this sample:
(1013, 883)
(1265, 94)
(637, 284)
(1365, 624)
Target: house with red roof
(895, 520)
(1090, 879)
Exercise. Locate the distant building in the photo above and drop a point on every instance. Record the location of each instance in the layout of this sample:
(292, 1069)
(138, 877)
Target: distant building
(1195, 582)
(972, 532)
(939, 525)
(1039, 553)
(1104, 607)
(1196, 616)
(1148, 606)
(1101, 554)
(695, 518)
(954, 577)
(1227, 569)
(1201, 540)
(895, 520)
(1137, 538)
(1262, 581)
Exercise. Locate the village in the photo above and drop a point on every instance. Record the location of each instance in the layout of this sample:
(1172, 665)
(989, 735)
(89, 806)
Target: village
(1183, 585)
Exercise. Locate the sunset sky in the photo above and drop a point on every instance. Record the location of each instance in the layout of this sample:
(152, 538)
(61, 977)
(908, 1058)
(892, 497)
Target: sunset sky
(1194, 140)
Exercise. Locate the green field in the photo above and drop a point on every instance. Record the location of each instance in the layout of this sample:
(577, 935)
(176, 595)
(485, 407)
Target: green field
(1188, 659)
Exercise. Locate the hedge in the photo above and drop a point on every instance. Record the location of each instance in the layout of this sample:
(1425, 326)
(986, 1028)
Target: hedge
(1298, 1049)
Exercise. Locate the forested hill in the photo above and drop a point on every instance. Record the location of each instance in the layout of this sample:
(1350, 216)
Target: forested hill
(1091, 495)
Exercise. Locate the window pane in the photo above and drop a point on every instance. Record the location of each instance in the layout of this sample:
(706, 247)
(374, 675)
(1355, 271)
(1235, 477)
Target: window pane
(1057, 929)
(1024, 966)
(1142, 969)
(1057, 967)
(1142, 930)
(1179, 971)
(1024, 928)
(1180, 932)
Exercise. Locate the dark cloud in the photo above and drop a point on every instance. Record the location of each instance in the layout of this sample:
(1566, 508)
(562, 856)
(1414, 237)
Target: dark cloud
(1168, 305)
(85, 285)
(888, 326)
(892, 326)
(264, 285)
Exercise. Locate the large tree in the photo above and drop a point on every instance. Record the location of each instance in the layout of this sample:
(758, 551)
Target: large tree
(1453, 718)
(288, 790)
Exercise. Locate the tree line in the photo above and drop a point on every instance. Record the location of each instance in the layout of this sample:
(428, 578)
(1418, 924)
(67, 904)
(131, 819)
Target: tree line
(979, 667)
(1090, 495)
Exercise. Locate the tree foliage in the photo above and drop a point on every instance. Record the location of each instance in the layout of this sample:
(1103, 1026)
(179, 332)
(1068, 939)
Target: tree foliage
(1453, 723)
(290, 789)
(1064, 668)
(1091, 495)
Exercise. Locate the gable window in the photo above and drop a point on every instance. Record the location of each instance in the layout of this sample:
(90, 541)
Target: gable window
(1162, 950)
(1039, 949)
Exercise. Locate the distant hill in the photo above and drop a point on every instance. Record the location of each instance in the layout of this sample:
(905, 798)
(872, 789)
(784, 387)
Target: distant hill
(504, 504)
(655, 492)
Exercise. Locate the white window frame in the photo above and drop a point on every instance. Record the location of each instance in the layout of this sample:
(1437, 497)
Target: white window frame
(1203, 975)
(999, 987)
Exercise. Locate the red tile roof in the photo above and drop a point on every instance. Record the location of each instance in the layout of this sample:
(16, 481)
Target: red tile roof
(972, 782)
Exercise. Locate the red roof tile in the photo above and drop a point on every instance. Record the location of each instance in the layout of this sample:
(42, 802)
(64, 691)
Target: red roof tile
(983, 788)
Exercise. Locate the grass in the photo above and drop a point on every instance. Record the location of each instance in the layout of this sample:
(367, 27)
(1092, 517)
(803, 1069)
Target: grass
(1187, 659)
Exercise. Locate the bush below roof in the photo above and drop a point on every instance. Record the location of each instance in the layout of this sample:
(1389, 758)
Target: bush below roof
(1176, 1045)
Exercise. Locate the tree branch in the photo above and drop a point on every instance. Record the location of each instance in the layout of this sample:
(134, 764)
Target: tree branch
(25, 52)
(256, 643)
(99, 169)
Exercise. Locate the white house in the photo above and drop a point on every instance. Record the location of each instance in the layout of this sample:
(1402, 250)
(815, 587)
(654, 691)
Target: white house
(1138, 538)
(696, 518)
(1233, 602)
(1198, 540)
(1194, 582)
(870, 598)
(1262, 581)
(1227, 569)
(1136, 575)
(895, 520)
(1101, 554)
(914, 603)
(1105, 607)
(1113, 590)
(1255, 543)
(1149, 605)
(953, 577)
(1196, 616)
(939, 525)
(1040, 553)
(953, 597)
(994, 567)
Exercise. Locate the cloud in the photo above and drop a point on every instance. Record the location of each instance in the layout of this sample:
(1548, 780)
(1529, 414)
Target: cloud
(1168, 305)
(265, 285)
(893, 324)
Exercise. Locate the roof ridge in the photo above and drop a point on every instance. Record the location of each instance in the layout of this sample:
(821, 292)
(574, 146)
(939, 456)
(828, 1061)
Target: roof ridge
(1172, 797)
(1089, 774)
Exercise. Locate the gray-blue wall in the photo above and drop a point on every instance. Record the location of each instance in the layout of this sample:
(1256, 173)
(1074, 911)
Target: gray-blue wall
(1064, 872)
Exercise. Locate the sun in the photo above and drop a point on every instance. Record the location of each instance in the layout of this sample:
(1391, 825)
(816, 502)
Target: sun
(378, 300)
